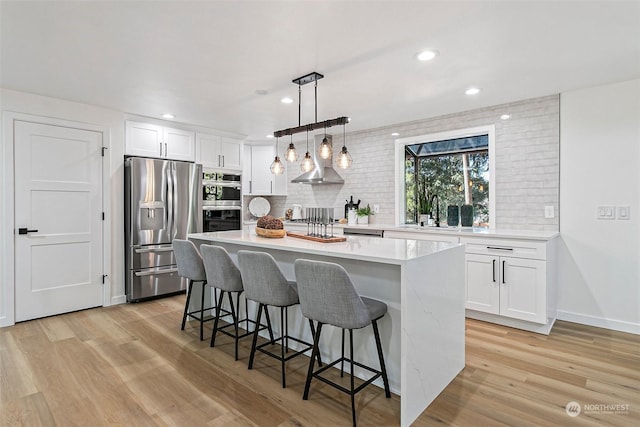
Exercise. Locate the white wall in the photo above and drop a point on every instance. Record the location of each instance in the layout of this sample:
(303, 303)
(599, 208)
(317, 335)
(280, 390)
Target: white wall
(598, 277)
(113, 122)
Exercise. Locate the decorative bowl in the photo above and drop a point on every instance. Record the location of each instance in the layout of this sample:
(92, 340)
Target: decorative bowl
(265, 232)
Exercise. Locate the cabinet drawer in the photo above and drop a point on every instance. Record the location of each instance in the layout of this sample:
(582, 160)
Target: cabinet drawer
(503, 247)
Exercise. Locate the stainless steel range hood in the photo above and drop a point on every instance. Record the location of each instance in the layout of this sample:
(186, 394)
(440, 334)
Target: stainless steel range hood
(323, 172)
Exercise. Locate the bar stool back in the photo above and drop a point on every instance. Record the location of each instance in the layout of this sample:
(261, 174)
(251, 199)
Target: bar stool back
(327, 296)
(223, 274)
(191, 267)
(265, 284)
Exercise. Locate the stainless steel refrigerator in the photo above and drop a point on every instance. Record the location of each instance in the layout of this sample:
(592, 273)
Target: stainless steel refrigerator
(162, 203)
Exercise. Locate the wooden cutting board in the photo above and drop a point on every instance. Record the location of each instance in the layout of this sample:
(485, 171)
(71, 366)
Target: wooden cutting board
(333, 239)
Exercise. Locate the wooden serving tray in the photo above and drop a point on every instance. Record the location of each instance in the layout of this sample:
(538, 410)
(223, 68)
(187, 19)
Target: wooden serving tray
(264, 232)
(333, 239)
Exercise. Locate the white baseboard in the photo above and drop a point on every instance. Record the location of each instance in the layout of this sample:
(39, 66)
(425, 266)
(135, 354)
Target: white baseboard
(120, 299)
(599, 322)
(4, 322)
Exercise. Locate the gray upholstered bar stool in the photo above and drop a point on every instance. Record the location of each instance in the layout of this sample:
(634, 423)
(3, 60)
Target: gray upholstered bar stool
(191, 267)
(222, 274)
(265, 284)
(328, 296)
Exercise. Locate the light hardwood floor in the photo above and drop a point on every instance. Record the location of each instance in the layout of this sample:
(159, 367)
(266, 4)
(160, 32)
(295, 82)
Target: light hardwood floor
(131, 365)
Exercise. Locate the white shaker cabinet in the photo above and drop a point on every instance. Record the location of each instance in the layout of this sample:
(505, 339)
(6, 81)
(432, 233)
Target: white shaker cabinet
(257, 177)
(219, 152)
(513, 279)
(150, 140)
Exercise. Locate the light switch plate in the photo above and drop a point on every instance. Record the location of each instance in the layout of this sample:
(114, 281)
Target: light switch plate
(606, 212)
(624, 212)
(548, 212)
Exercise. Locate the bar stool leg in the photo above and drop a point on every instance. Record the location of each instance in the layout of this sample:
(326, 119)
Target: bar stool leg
(266, 314)
(186, 305)
(202, 312)
(313, 334)
(283, 344)
(376, 334)
(314, 353)
(235, 321)
(353, 395)
(255, 336)
(342, 359)
(215, 321)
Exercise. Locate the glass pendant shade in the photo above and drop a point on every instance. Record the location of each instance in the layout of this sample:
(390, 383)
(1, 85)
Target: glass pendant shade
(291, 155)
(277, 168)
(307, 163)
(344, 159)
(325, 149)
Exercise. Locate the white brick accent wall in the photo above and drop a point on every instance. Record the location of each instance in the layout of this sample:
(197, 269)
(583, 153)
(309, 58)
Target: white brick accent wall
(526, 164)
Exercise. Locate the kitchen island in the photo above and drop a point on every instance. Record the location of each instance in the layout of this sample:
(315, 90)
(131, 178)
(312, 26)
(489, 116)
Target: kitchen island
(422, 282)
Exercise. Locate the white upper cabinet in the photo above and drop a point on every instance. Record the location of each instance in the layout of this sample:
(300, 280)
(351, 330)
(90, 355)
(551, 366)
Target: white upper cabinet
(219, 152)
(149, 140)
(257, 176)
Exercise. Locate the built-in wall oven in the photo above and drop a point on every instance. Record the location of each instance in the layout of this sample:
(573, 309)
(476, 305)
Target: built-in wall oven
(222, 201)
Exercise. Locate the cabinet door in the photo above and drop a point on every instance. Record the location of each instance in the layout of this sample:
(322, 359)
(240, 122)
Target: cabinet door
(261, 176)
(144, 140)
(523, 289)
(246, 171)
(208, 151)
(179, 144)
(482, 279)
(230, 153)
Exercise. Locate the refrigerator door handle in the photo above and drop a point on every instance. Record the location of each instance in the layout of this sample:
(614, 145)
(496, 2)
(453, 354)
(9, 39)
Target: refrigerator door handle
(147, 251)
(155, 272)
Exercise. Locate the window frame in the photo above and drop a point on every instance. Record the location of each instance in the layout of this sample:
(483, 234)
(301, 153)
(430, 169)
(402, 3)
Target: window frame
(401, 143)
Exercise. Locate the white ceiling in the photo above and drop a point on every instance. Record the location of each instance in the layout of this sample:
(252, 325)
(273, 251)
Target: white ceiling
(204, 61)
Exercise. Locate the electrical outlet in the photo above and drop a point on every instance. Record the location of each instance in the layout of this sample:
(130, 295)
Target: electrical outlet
(548, 212)
(624, 212)
(376, 209)
(606, 212)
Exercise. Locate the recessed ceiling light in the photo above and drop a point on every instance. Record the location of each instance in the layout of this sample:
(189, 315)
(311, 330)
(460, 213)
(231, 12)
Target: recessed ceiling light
(426, 55)
(505, 116)
(168, 116)
(286, 100)
(395, 134)
(270, 136)
(472, 91)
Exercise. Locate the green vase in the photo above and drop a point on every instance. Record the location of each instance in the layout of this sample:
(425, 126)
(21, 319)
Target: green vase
(466, 215)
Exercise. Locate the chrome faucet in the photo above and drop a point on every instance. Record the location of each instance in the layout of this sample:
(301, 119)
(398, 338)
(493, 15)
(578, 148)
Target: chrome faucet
(435, 196)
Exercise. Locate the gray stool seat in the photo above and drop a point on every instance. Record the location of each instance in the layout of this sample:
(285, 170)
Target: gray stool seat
(265, 284)
(222, 274)
(191, 267)
(327, 296)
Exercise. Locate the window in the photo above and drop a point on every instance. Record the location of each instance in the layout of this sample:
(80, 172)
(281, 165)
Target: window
(444, 170)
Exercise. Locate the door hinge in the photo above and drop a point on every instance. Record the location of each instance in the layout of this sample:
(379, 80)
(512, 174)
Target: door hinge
(103, 216)
(103, 277)
(103, 150)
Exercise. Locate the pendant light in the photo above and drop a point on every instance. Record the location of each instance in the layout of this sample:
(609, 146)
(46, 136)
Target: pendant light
(307, 164)
(344, 160)
(325, 151)
(291, 155)
(277, 168)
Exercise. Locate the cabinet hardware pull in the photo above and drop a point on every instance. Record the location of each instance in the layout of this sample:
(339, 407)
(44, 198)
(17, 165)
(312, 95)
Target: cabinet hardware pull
(271, 189)
(147, 251)
(499, 248)
(250, 187)
(494, 271)
(223, 161)
(166, 152)
(503, 278)
(160, 148)
(219, 160)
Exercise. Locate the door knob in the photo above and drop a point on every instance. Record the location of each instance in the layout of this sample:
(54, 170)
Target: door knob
(25, 231)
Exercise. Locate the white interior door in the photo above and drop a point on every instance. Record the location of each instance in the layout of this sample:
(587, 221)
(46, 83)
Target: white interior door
(58, 192)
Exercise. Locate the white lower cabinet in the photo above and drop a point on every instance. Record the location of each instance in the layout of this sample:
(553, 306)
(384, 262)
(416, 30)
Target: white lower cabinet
(513, 279)
(506, 286)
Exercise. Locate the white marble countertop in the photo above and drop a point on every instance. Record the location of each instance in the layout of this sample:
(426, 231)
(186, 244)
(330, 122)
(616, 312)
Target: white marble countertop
(458, 231)
(386, 251)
